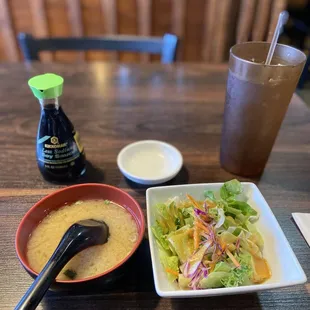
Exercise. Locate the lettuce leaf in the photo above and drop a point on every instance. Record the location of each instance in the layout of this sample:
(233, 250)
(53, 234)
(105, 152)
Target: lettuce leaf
(230, 189)
(236, 277)
(189, 221)
(224, 193)
(237, 231)
(233, 187)
(242, 219)
(169, 217)
(188, 215)
(222, 266)
(182, 243)
(214, 280)
(209, 194)
(183, 281)
(250, 247)
(225, 275)
(255, 235)
(170, 263)
(213, 213)
(160, 237)
(229, 222)
(244, 207)
(227, 237)
(245, 259)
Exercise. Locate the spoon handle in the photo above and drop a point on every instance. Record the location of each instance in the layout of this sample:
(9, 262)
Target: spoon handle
(67, 248)
(39, 287)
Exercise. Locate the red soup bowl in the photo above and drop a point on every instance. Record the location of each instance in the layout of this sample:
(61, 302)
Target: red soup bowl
(69, 195)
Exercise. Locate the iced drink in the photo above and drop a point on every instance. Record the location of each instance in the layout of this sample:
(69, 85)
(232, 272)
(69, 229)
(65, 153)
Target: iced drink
(257, 98)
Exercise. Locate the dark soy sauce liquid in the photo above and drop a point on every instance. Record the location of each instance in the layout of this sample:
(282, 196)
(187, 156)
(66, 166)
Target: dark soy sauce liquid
(60, 156)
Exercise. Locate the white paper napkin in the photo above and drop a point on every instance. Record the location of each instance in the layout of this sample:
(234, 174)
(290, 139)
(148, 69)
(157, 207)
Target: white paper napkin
(303, 222)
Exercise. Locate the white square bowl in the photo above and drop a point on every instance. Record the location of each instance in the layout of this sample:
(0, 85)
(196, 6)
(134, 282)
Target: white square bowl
(285, 268)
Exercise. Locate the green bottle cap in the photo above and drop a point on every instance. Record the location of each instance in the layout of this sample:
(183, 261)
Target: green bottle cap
(46, 86)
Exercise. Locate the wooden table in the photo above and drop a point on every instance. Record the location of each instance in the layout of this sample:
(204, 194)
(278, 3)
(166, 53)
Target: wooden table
(113, 105)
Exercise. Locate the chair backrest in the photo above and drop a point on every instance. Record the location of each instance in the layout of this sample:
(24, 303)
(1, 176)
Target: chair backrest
(258, 19)
(229, 22)
(166, 46)
(205, 28)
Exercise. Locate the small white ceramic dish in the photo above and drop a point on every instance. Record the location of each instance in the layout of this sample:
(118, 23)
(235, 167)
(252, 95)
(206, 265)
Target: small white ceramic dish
(286, 270)
(149, 162)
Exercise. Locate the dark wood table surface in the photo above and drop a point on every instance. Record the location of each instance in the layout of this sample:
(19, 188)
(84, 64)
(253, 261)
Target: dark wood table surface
(112, 105)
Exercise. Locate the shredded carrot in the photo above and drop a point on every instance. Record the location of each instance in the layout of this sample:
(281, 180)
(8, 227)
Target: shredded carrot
(236, 263)
(219, 252)
(175, 273)
(196, 238)
(222, 244)
(206, 229)
(212, 266)
(193, 201)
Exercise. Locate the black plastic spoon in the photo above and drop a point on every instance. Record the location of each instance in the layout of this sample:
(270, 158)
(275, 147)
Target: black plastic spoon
(78, 237)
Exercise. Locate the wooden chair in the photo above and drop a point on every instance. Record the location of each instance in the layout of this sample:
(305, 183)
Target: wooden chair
(206, 28)
(228, 22)
(166, 46)
(258, 19)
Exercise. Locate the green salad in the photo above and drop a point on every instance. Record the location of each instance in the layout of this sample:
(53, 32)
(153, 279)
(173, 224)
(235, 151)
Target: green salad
(211, 243)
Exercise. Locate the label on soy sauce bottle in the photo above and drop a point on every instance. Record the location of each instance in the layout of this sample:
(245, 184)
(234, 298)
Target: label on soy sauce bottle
(57, 154)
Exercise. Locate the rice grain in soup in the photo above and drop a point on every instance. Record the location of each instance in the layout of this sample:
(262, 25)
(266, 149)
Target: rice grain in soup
(94, 260)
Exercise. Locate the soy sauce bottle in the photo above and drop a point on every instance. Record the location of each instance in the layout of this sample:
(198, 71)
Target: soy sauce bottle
(60, 155)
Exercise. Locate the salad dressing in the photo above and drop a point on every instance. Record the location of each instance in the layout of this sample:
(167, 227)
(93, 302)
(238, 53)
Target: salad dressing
(262, 270)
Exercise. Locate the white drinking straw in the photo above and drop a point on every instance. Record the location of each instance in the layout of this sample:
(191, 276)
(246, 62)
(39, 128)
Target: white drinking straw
(283, 18)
